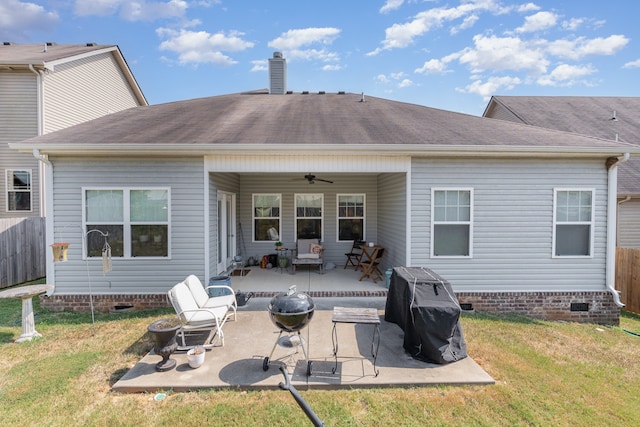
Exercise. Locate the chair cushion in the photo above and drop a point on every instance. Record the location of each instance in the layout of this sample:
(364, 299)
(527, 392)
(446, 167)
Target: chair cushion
(308, 256)
(304, 245)
(183, 299)
(197, 290)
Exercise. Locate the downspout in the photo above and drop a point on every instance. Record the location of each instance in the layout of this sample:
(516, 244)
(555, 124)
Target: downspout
(40, 119)
(612, 171)
(47, 177)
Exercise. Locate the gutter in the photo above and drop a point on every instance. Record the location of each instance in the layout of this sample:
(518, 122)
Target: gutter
(610, 279)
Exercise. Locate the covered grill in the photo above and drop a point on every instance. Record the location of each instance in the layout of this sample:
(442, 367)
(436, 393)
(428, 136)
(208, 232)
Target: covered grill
(290, 312)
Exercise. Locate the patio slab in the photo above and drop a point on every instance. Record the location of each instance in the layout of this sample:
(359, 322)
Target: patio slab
(239, 363)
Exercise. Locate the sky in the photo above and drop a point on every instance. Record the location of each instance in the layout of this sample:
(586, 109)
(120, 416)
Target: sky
(447, 54)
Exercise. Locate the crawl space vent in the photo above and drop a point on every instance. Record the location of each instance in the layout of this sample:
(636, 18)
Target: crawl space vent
(579, 306)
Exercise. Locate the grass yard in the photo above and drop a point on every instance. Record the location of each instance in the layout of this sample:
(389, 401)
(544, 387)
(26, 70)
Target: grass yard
(547, 374)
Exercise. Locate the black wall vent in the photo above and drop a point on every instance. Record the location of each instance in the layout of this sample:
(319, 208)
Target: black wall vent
(466, 306)
(579, 306)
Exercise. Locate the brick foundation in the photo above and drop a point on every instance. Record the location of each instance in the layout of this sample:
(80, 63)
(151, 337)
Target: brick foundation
(598, 307)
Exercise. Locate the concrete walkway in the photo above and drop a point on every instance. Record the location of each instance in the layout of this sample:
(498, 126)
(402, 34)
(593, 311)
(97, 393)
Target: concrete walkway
(239, 364)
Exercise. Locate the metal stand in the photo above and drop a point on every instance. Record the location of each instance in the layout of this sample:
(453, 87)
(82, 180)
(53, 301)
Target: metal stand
(288, 342)
(357, 316)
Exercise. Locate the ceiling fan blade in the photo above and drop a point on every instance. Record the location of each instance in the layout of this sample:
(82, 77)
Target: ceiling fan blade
(324, 180)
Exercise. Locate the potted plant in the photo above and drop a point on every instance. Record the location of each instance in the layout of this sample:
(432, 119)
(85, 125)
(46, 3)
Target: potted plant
(195, 356)
(278, 246)
(164, 335)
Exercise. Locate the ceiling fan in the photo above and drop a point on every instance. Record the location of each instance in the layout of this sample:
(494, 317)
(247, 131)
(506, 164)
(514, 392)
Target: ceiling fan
(312, 179)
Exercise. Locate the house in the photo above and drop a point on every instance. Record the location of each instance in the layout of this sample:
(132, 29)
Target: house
(607, 117)
(516, 217)
(47, 87)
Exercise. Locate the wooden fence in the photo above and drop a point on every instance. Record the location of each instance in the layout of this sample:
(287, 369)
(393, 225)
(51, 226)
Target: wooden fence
(22, 250)
(628, 277)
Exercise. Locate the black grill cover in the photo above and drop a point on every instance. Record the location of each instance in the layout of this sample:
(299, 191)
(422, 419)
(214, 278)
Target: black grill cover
(425, 307)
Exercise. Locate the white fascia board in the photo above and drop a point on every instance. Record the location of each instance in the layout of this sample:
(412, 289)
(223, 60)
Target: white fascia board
(278, 149)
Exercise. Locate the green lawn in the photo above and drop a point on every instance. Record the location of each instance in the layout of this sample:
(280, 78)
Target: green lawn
(547, 374)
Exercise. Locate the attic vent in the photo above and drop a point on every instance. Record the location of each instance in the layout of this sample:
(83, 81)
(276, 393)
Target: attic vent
(6, 43)
(579, 306)
(90, 44)
(289, 92)
(341, 92)
(305, 92)
(50, 44)
(321, 92)
(613, 117)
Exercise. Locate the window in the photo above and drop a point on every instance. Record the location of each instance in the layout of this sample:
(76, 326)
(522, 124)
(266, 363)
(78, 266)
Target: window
(573, 222)
(309, 216)
(266, 217)
(136, 220)
(451, 222)
(351, 217)
(18, 190)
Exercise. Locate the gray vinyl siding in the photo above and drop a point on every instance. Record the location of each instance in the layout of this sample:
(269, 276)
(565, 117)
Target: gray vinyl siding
(629, 224)
(287, 186)
(513, 223)
(184, 177)
(18, 121)
(392, 214)
(497, 111)
(83, 90)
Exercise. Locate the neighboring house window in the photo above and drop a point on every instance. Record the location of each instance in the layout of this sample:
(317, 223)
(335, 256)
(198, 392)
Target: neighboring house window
(351, 217)
(573, 222)
(451, 222)
(266, 217)
(18, 190)
(309, 216)
(136, 220)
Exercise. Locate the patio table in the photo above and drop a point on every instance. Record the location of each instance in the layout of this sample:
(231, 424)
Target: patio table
(26, 293)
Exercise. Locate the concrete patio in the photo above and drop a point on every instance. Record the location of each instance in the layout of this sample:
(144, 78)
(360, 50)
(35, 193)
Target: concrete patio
(239, 363)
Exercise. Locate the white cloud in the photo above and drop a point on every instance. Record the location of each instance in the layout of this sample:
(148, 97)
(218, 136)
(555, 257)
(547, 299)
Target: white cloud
(573, 24)
(491, 86)
(140, 10)
(537, 22)
(260, 65)
(197, 47)
(405, 83)
(402, 35)
(504, 53)
(580, 47)
(18, 18)
(296, 44)
(295, 39)
(391, 5)
(467, 23)
(333, 67)
(632, 64)
(381, 78)
(432, 66)
(566, 75)
(529, 7)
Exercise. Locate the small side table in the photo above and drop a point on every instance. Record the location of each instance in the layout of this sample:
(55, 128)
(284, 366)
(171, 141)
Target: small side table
(283, 259)
(25, 293)
(358, 316)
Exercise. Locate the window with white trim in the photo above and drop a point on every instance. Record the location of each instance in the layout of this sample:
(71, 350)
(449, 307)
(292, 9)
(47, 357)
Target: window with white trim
(137, 221)
(573, 222)
(266, 217)
(451, 222)
(309, 211)
(18, 190)
(351, 211)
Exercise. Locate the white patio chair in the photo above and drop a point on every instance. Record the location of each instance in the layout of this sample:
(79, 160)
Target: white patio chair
(198, 312)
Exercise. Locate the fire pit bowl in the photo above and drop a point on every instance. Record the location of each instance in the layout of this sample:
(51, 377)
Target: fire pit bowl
(291, 311)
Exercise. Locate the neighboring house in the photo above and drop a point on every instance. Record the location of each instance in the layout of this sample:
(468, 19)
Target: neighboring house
(514, 216)
(47, 87)
(607, 117)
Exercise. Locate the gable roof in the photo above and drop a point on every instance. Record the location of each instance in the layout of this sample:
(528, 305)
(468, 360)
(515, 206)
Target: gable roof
(608, 117)
(252, 120)
(42, 57)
